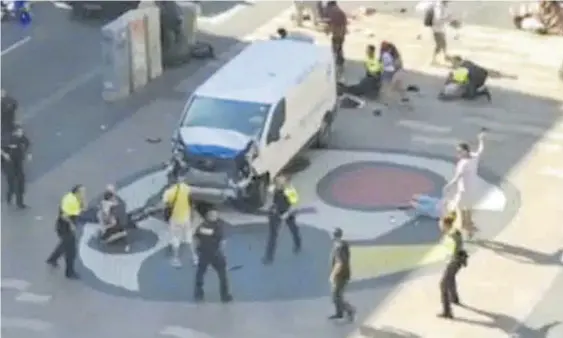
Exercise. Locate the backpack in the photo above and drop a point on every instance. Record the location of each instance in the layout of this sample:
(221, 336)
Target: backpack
(429, 17)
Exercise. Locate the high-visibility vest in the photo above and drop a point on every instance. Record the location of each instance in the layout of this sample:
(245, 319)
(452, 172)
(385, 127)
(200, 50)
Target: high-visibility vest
(373, 66)
(291, 195)
(449, 243)
(461, 75)
(71, 205)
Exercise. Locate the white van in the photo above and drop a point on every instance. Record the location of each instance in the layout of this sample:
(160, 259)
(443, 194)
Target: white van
(242, 126)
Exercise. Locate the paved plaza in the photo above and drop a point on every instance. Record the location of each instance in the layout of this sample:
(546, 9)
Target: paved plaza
(373, 166)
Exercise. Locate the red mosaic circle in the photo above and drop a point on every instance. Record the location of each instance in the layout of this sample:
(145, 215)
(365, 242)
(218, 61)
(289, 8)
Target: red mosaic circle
(379, 186)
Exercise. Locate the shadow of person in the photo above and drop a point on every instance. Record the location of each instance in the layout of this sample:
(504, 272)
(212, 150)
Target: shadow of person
(385, 332)
(507, 324)
(521, 254)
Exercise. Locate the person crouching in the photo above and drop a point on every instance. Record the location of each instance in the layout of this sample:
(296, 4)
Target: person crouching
(466, 81)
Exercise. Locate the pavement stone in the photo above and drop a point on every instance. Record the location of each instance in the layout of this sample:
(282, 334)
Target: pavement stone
(393, 138)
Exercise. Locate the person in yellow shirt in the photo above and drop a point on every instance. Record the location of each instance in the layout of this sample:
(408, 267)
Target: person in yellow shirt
(176, 200)
(70, 208)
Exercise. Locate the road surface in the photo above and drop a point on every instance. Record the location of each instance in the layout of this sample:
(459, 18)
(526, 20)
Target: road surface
(78, 138)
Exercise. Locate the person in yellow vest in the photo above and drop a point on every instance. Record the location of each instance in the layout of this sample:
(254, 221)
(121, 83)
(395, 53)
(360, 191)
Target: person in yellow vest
(71, 206)
(466, 81)
(370, 84)
(453, 243)
(284, 200)
(177, 212)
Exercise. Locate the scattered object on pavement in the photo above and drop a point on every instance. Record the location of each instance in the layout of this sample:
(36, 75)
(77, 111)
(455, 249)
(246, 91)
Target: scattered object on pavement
(153, 139)
(376, 112)
(351, 102)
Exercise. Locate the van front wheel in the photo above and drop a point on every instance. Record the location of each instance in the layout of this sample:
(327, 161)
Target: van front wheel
(322, 139)
(256, 194)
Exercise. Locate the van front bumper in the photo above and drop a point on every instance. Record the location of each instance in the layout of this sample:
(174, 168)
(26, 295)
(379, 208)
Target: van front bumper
(219, 195)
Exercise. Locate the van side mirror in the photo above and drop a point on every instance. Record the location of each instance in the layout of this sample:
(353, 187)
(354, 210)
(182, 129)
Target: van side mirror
(274, 136)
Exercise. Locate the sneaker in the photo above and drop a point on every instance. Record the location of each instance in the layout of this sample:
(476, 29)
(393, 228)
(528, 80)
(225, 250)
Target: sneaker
(51, 263)
(227, 299)
(73, 276)
(445, 315)
(176, 263)
(351, 314)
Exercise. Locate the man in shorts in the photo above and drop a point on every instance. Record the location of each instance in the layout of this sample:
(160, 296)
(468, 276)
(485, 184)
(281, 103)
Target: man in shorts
(440, 19)
(465, 180)
(177, 200)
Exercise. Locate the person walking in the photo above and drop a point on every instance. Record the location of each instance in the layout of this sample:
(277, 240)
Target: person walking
(209, 242)
(453, 243)
(285, 197)
(15, 152)
(337, 28)
(177, 210)
(465, 181)
(436, 17)
(340, 274)
(71, 207)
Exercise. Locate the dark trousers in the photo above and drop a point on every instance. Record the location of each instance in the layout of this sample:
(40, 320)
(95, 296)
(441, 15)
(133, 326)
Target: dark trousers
(274, 222)
(448, 286)
(369, 86)
(219, 264)
(15, 181)
(473, 90)
(337, 50)
(66, 247)
(341, 306)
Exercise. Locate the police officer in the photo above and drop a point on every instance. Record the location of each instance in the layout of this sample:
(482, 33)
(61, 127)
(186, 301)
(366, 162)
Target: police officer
(370, 84)
(285, 197)
(339, 276)
(452, 242)
(209, 242)
(70, 209)
(9, 108)
(467, 80)
(15, 151)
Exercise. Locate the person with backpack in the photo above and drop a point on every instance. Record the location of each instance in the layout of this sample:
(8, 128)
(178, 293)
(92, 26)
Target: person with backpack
(436, 17)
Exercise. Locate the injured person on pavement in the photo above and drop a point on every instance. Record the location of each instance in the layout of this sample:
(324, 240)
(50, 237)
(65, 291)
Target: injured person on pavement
(466, 81)
(370, 85)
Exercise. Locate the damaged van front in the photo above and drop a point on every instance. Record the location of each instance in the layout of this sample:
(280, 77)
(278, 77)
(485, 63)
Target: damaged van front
(215, 146)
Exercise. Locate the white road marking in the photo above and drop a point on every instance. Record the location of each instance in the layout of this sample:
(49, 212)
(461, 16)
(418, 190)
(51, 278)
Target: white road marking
(516, 128)
(60, 93)
(25, 323)
(219, 18)
(422, 126)
(61, 5)
(553, 172)
(16, 45)
(549, 147)
(448, 141)
(33, 298)
(15, 284)
(182, 332)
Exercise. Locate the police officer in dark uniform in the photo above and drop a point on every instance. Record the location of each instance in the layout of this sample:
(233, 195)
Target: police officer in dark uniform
(453, 242)
(285, 196)
(15, 151)
(339, 276)
(209, 238)
(70, 209)
(9, 108)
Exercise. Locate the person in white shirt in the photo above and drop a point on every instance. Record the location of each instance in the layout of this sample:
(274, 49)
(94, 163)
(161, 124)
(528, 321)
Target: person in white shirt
(465, 180)
(441, 17)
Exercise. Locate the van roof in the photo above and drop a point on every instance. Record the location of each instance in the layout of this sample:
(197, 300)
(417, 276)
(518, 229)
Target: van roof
(264, 71)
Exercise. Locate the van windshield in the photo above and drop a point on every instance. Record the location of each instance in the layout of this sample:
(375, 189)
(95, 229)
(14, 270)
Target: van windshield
(247, 118)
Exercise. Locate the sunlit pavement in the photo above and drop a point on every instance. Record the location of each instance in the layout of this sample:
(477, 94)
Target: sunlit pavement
(120, 291)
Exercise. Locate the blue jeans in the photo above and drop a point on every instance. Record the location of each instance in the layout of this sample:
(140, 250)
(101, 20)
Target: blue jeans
(427, 206)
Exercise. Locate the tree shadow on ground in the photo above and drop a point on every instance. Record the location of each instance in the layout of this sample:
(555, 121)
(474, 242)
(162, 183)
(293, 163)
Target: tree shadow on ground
(507, 324)
(385, 332)
(521, 254)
